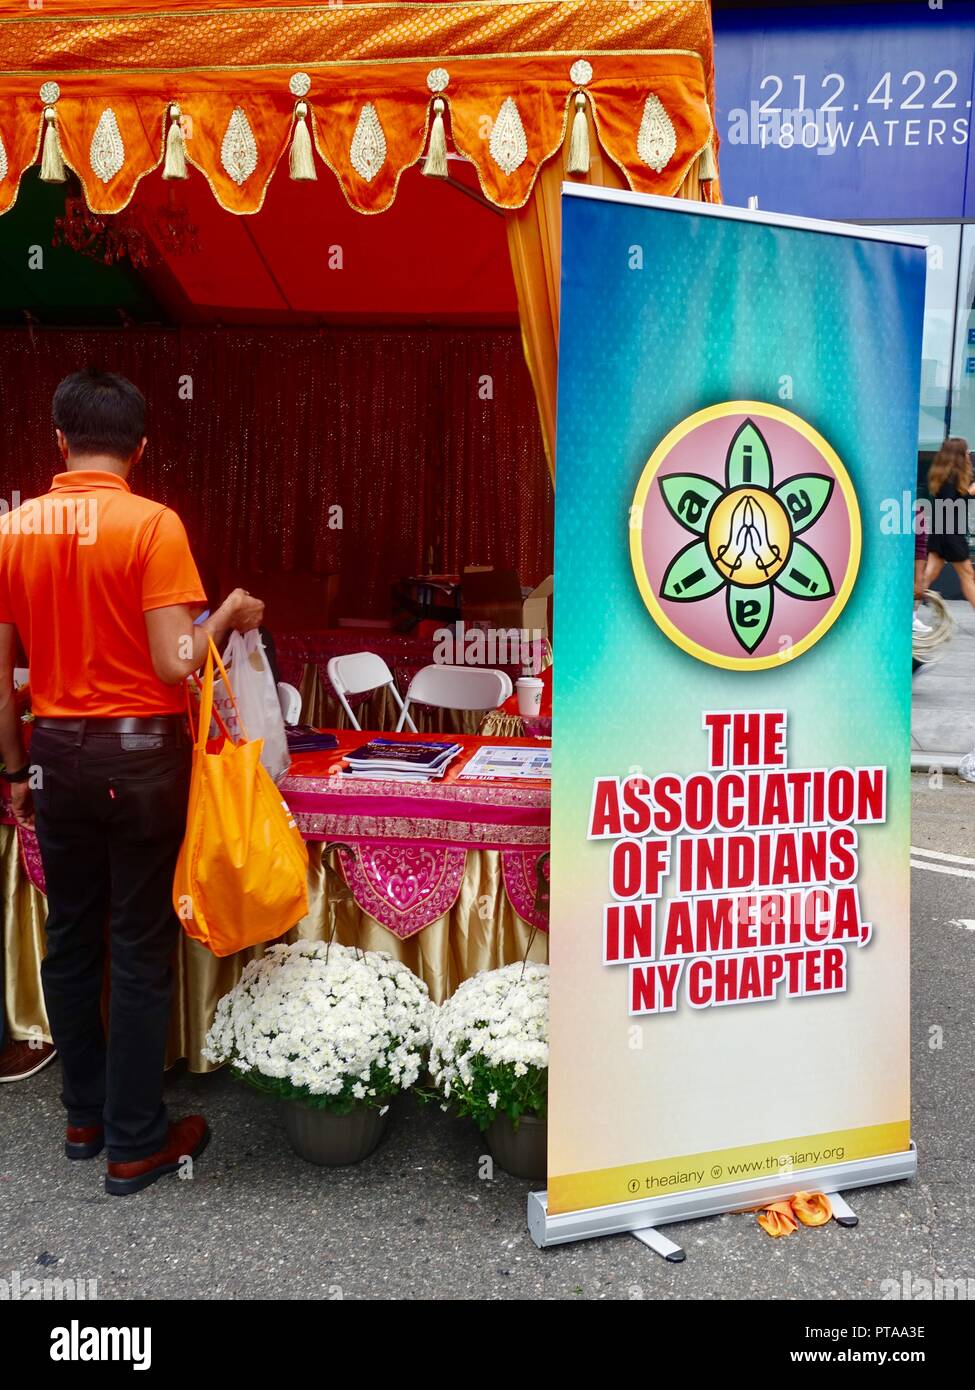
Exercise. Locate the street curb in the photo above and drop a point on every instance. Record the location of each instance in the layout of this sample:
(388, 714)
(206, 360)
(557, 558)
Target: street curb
(924, 762)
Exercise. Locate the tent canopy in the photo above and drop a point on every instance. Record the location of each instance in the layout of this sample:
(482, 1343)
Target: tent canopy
(112, 88)
(348, 270)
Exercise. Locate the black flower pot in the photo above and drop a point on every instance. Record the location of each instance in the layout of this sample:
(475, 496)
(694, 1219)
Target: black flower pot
(523, 1152)
(334, 1141)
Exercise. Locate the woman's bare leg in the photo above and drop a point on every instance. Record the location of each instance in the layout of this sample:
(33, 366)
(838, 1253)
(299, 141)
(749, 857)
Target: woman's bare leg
(966, 576)
(933, 568)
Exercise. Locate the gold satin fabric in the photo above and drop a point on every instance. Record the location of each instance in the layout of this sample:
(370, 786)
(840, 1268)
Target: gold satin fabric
(482, 931)
(24, 915)
(535, 248)
(498, 724)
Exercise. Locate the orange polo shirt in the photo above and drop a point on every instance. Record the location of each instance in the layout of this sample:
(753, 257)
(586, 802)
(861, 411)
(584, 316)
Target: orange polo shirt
(79, 568)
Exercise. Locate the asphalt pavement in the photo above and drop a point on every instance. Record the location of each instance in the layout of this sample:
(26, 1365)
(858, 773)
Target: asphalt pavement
(943, 711)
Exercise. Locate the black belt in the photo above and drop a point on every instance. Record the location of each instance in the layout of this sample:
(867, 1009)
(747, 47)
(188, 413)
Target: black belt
(154, 724)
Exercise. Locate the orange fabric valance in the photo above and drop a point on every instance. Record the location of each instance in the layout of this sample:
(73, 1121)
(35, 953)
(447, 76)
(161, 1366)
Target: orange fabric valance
(111, 89)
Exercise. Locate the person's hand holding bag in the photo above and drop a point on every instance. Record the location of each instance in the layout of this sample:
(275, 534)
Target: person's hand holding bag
(243, 611)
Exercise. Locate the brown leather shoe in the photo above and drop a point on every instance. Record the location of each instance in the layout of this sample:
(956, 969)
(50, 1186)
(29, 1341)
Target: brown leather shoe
(187, 1138)
(18, 1060)
(84, 1141)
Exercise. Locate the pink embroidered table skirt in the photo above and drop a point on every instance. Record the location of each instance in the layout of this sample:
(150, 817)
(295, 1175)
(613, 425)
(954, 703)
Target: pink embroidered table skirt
(442, 876)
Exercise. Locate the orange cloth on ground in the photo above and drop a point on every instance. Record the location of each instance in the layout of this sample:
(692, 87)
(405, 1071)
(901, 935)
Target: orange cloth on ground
(79, 568)
(782, 1218)
(812, 1208)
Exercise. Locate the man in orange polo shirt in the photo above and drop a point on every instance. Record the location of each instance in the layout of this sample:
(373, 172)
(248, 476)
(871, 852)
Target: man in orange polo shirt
(101, 588)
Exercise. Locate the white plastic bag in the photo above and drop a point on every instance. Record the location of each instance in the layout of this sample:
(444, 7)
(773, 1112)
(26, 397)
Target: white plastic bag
(257, 700)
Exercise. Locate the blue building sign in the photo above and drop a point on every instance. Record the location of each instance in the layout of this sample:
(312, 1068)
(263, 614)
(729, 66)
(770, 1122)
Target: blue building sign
(854, 111)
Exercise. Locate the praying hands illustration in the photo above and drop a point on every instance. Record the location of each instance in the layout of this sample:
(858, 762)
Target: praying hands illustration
(745, 533)
(748, 533)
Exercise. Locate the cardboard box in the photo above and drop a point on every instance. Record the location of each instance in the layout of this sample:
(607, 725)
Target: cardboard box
(535, 610)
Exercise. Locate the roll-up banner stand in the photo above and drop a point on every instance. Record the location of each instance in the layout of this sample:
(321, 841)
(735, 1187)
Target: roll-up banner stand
(737, 424)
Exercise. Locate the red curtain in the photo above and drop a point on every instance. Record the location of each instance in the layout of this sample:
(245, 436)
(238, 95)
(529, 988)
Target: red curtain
(428, 441)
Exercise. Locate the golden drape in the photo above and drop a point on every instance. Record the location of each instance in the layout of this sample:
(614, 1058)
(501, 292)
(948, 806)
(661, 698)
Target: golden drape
(25, 912)
(534, 244)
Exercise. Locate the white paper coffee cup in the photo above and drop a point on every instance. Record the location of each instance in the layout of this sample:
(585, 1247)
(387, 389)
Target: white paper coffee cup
(529, 696)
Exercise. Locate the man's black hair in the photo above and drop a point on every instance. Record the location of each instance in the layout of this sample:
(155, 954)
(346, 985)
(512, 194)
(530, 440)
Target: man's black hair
(100, 413)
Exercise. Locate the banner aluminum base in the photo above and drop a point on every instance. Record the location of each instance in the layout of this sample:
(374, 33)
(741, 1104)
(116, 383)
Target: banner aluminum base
(711, 1201)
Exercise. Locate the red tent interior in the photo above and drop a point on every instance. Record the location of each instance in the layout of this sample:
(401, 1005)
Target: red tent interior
(438, 256)
(335, 359)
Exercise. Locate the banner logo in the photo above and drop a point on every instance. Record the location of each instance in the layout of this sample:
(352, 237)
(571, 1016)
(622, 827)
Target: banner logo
(745, 535)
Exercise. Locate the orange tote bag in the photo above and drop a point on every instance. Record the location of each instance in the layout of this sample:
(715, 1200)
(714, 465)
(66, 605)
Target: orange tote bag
(242, 873)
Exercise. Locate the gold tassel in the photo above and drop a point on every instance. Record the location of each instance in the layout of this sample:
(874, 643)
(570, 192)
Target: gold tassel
(435, 164)
(579, 141)
(174, 166)
(302, 159)
(707, 169)
(52, 162)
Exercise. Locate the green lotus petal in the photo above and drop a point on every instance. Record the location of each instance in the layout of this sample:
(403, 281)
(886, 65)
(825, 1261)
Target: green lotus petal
(690, 499)
(805, 575)
(805, 499)
(749, 613)
(690, 575)
(748, 458)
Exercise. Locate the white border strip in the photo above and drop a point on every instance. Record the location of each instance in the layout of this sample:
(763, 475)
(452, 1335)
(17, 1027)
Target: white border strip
(765, 219)
(711, 1201)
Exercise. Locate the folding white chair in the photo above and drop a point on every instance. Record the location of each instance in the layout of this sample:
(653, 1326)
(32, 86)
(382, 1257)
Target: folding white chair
(457, 687)
(360, 671)
(289, 698)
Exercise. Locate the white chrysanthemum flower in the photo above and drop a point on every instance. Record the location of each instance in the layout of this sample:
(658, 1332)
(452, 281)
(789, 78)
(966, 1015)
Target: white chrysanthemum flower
(499, 1017)
(323, 1019)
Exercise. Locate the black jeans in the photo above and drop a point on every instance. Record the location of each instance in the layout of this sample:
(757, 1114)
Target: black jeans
(110, 814)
